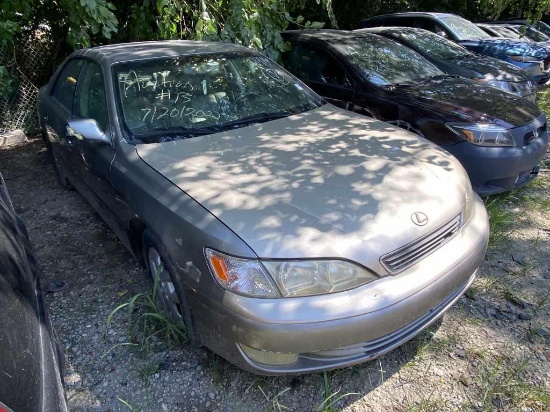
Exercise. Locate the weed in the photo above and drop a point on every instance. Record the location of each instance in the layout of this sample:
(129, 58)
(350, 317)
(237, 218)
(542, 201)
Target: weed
(128, 405)
(147, 322)
(218, 367)
(501, 220)
(425, 405)
(504, 386)
(146, 372)
(277, 406)
(329, 398)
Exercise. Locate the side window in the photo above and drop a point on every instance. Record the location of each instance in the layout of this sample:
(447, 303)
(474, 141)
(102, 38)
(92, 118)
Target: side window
(313, 65)
(65, 85)
(430, 25)
(91, 102)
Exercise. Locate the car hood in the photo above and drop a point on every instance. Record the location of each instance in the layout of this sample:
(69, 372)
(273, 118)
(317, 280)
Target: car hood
(493, 68)
(465, 100)
(500, 45)
(324, 183)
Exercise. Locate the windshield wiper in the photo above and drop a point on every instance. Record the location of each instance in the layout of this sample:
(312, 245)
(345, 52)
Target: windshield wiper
(257, 118)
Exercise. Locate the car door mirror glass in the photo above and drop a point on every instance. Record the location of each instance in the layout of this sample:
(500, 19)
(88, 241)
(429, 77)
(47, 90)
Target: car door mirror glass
(87, 129)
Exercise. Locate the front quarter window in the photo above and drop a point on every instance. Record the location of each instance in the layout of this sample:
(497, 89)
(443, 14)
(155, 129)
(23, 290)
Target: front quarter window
(65, 85)
(173, 98)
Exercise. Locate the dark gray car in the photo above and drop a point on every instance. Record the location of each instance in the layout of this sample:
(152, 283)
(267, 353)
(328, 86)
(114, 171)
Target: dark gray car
(457, 60)
(30, 359)
(288, 235)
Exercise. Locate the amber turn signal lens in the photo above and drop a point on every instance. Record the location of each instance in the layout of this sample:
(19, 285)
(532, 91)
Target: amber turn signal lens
(219, 268)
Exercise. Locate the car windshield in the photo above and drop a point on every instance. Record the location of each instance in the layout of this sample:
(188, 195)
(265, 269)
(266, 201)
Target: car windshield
(432, 44)
(383, 62)
(533, 33)
(505, 32)
(463, 29)
(542, 27)
(175, 98)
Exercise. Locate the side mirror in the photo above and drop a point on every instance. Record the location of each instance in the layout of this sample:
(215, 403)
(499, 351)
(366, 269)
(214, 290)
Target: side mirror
(441, 33)
(87, 129)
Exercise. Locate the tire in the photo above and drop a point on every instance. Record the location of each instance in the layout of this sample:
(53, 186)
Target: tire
(170, 294)
(57, 167)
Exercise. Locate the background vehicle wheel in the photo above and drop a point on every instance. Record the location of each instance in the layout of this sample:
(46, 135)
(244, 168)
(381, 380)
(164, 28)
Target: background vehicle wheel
(405, 125)
(57, 167)
(170, 294)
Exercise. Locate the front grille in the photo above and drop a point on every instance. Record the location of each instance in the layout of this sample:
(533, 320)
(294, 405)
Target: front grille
(418, 249)
(533, 134)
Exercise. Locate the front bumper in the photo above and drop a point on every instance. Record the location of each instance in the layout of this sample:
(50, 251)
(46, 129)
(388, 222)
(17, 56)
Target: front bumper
(495, 170)
(341, 329)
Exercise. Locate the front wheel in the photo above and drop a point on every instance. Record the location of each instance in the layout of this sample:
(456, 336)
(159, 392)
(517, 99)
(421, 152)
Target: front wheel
(169, 294)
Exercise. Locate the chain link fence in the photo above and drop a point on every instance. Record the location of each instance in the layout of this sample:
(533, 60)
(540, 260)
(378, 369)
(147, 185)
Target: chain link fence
(27, 63)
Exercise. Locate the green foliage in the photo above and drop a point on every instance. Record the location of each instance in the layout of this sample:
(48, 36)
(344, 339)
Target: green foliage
(531, 9)
(7, 83)
(89, 17)
(147, 322)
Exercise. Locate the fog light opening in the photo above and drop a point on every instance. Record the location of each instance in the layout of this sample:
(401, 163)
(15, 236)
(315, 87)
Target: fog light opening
(267, 357)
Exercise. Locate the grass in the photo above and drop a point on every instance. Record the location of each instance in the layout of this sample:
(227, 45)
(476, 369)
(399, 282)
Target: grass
(504, 385)
(502, 220)
(146, 372)
(276, 404)
(147, 323)
(330, 399)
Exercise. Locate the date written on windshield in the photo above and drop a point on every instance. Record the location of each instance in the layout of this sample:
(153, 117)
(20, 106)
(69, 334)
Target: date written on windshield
(154, 114)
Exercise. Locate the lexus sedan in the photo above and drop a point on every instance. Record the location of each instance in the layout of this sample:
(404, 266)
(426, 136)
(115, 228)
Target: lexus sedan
(531, 57)
(455, 59)
(498, 137)
(286, 234)
(30, 359)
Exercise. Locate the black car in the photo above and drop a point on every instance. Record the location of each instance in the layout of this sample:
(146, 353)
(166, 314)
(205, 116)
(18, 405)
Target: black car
(30, 362)
(498, 137)
(531, 57)
(501, 30)
(455, 59)
(538, 25)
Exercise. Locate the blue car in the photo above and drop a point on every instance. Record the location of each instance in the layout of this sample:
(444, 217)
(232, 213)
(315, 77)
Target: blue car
(533, 58)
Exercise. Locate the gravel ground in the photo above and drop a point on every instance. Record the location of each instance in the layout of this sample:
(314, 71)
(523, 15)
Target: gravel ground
(490, 352)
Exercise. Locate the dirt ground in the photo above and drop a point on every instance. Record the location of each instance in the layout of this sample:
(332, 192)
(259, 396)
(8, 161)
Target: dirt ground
(490, 352)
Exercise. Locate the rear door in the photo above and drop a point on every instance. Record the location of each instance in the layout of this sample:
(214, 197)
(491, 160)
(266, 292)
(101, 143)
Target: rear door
(58, 109)
(322, 72)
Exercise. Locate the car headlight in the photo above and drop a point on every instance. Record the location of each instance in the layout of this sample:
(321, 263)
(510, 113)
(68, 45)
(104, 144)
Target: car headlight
(499, 84)
(525, 59)
(483, 134)
(287, 278)
(317, 277)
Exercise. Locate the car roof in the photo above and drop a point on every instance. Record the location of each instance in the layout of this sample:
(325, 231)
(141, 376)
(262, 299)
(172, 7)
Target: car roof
(124, 52)
(327, 35)
(388, 29)
(413, 13)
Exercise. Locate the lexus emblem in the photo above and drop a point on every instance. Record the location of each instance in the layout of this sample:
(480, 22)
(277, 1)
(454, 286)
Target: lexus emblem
(419, 218)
